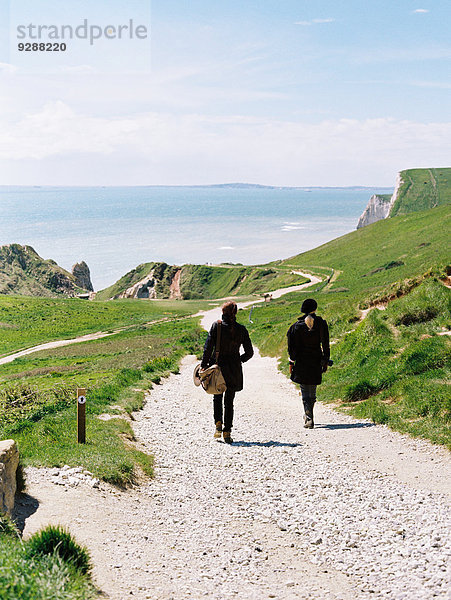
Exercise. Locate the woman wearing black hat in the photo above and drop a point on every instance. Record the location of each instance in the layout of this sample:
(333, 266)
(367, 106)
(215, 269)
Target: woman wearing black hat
(233, 336)
(309, 352)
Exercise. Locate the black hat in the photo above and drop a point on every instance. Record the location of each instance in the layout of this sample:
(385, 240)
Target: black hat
(309, 306)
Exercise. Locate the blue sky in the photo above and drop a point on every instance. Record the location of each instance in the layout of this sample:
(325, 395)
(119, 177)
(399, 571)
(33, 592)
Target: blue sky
(275, 92)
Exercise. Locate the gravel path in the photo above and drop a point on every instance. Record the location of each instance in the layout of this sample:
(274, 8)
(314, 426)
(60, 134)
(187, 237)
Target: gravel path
(346, 511)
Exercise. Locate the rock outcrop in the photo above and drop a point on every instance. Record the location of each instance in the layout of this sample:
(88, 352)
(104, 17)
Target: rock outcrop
(415, 190)
(175, 293)
(9, 461)
(82, 276)
(378, 208)
(145, 288)
(153, 280)
(24, 272)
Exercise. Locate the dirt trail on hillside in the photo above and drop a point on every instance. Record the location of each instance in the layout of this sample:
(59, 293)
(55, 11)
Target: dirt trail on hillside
(210, 316)
(56, 344)
(347, 511)
(175, 292)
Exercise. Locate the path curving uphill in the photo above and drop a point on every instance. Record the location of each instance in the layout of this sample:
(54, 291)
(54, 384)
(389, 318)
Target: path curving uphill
(210, 316)
(102, 334)
(347, 511)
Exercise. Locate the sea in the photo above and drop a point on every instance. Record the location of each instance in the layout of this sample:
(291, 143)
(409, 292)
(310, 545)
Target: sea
(114, 229)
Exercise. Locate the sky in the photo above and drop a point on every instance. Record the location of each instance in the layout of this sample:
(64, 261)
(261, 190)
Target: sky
(277, 92)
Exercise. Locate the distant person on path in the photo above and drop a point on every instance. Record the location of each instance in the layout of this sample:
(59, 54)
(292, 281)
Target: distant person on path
(233, 336)
(309, 352)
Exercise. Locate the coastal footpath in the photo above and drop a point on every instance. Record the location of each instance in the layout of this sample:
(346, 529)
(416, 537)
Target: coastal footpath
(347, 511)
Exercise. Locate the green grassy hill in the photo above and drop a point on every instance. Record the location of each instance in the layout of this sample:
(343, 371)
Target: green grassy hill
(24, 272)
(392, 366)
(201, 281)
(370, 259)
(421, 189)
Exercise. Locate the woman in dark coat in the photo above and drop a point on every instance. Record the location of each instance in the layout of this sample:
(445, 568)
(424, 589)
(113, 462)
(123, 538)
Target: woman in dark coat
(309, 352)
(233, 336)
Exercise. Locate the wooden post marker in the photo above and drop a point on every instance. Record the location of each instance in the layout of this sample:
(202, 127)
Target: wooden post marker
(81, 415)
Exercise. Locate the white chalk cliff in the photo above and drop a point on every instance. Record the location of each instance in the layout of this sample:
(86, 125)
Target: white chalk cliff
(379, 206)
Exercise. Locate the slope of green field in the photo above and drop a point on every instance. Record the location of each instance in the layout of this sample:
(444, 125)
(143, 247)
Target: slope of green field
(206, 281)
(393, 366)
(389, 251)
(37, 396)
(422, 189)
(26, 322)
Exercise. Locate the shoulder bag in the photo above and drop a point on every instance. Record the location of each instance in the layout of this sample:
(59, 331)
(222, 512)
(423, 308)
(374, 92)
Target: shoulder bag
(211, 378)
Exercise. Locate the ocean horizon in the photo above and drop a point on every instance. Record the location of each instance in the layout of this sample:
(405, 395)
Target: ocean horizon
(114, 229)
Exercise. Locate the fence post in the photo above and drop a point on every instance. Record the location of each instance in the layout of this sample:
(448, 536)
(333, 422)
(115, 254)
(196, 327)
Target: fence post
(81, 415)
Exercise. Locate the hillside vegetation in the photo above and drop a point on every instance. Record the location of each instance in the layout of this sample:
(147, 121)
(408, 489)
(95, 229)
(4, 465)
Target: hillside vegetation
(156, 280)
(37, 392)
(26, 322)
(24, 272)
(50, 565)
(201, 281)
(421, 189)
(392, 366)
(372, 258)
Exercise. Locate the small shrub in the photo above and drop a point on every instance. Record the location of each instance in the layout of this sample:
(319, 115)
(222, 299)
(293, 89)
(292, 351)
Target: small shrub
(430, 353)
(360, 391)
(160, 363)
(421, 316)
(8, 527)
(55, 539)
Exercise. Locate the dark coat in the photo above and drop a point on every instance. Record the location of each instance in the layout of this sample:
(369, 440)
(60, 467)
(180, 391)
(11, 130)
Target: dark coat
(309, 349)
(233, 336)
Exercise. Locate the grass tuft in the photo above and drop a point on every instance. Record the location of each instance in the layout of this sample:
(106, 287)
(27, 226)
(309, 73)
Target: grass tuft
(8, 527)
(56, 540)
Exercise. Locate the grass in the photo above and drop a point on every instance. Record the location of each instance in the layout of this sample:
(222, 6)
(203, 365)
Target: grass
(201, 281)
(56, 540)
(206, 281)
(26, 322)
(422, 189)
(397, 375)
(417, 242)
(37, 398)
(49, 566)
(393, 367)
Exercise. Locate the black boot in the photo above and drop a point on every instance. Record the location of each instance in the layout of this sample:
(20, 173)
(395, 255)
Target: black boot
(308, 417)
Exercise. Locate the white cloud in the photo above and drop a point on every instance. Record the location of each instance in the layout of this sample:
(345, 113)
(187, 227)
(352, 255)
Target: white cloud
(7, 68)
(314, 22)
(421, 10)
(82, 69)
(157, 147)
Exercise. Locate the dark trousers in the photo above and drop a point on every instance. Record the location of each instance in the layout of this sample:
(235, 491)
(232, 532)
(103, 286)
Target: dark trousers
(228, 409)
(308, 399)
